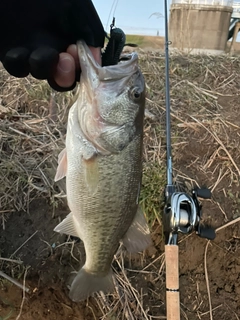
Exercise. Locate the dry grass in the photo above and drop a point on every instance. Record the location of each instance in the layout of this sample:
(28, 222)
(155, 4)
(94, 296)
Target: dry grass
(205, 264)
(130, 302)
(205, 138)
(29, 141)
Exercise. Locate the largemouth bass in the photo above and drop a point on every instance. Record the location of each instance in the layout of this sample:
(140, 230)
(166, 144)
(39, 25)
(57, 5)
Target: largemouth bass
(102, 163)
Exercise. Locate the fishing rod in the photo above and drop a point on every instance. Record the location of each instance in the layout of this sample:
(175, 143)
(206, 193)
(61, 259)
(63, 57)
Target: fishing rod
(182, 211)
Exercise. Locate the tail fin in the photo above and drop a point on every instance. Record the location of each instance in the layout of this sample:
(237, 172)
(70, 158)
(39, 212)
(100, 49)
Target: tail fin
(86, 283)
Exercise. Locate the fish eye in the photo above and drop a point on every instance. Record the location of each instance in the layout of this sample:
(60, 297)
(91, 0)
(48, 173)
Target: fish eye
(136, 94)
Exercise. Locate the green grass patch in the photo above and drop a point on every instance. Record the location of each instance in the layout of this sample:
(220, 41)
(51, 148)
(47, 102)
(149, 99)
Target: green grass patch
(152, 192)
(136, 39)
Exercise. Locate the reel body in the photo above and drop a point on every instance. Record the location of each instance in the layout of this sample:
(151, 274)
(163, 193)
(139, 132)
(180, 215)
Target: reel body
(182, 213)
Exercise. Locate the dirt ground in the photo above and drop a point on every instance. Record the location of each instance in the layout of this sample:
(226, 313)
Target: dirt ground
(206, 139)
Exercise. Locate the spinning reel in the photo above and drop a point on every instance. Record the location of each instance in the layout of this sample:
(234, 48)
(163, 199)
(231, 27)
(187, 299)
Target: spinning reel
(182, 213)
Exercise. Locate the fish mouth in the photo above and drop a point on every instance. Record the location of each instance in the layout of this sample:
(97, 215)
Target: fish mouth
(92, 73)
(104, 91)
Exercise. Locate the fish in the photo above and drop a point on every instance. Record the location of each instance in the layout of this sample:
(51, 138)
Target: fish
(102, 163)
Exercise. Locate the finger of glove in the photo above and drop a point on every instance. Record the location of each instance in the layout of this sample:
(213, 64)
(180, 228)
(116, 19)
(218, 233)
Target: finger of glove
(55, 86)
(16, 62)
(43, 62)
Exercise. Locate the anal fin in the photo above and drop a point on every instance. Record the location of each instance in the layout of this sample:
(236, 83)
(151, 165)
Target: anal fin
(138, 237)
(67, 226)
(62, 165)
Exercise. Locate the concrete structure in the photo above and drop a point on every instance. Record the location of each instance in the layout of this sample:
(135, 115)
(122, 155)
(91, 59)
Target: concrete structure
(200, 26)
(236, 10)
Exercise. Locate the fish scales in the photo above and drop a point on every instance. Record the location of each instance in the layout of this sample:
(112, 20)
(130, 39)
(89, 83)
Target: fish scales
(102, 162)
(117, 193)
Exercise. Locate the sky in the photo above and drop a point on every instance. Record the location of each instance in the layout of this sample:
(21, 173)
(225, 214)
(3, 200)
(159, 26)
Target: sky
(133, 16)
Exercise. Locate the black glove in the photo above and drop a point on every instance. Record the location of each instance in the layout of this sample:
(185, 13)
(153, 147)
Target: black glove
(34, 32)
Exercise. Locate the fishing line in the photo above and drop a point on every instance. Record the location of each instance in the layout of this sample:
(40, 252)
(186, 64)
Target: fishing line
(112, 12)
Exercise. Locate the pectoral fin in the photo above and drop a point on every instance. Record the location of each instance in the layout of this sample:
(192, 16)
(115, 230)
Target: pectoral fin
(62, 165)
(91, 172)
(68, 226)
(138, 236)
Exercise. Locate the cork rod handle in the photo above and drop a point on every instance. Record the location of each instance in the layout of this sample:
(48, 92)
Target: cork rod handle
(172, 282)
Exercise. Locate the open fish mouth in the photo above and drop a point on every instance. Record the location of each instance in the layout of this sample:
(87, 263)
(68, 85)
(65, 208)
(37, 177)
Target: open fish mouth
(105, 92)
(93, 73)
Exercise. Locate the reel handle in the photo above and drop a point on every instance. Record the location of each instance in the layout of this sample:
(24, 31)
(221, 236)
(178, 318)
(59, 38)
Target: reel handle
(172, 282)
(206, 232)
(203, 193)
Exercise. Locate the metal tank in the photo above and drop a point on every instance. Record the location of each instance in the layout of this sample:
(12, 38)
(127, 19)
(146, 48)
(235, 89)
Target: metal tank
(200, 26)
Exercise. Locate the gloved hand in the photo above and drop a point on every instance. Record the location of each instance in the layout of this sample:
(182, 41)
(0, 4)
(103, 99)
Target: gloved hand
(34, 32)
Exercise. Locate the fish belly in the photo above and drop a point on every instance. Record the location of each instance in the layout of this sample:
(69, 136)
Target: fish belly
(105, 204)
